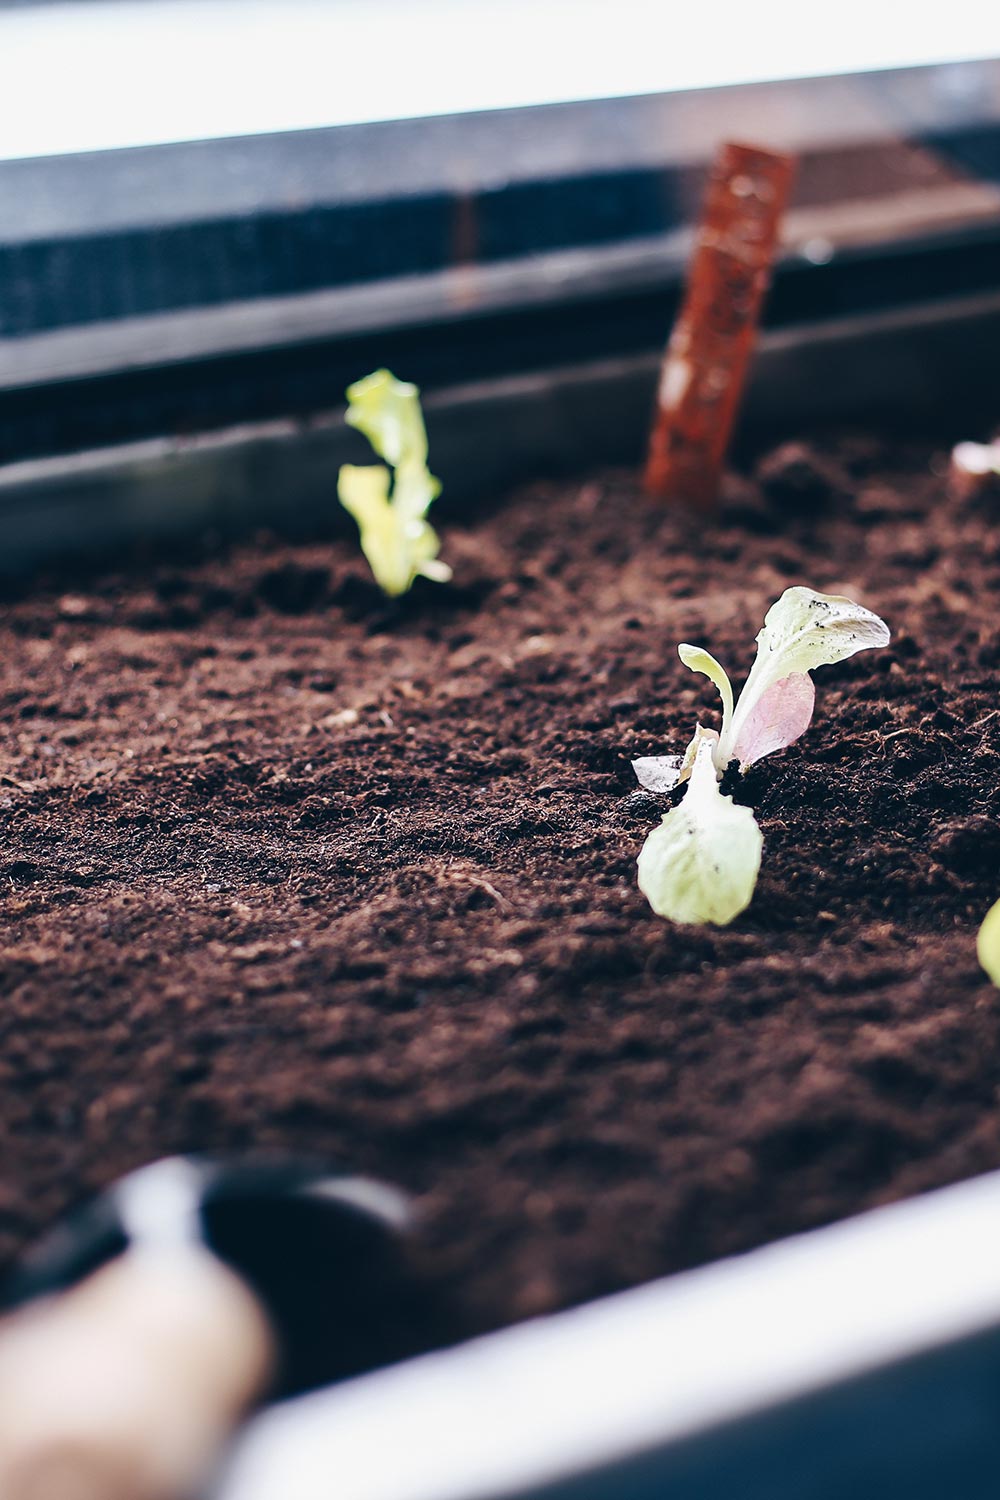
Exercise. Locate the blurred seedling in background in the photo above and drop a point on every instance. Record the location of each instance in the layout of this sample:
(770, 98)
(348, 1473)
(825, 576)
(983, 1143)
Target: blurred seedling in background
(988, 943)
(391, 510)
(701, 864)
(975, 468)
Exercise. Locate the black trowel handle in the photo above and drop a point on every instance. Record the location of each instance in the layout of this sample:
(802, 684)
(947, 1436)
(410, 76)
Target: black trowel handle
(126, 1386)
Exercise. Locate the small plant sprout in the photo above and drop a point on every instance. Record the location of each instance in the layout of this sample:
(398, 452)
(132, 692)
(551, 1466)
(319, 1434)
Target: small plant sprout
(988, 943)
(701, 864)
(396, 537)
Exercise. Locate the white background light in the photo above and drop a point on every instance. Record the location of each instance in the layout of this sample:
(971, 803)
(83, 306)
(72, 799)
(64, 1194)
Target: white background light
(89, 76)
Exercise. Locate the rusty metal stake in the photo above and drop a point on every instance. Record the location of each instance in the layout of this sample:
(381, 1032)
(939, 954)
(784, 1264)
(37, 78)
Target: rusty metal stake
(706, 360)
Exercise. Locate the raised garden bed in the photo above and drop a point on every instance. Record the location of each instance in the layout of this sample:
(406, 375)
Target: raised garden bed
(289, 866)
(286, 866)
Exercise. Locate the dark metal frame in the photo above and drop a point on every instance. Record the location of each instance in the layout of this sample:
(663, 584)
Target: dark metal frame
(172, 290)
(862, 1359)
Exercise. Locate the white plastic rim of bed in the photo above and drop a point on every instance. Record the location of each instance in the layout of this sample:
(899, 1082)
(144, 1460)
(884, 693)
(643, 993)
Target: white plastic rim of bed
(105, 74)
(642, 1369)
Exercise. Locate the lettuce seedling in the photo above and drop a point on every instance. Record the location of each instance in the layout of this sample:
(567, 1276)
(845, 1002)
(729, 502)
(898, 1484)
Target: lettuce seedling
(396, 537)
(988, 943)
(701, 864)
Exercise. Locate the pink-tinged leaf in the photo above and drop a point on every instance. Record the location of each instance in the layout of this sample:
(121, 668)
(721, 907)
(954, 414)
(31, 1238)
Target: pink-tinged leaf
(779, 716)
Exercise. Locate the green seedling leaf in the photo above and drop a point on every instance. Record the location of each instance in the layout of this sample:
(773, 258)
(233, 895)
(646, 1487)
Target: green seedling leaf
(700, 660)
(387, 411)
(988, 943)
(396, 549)
(802, 630)
(397, 540)
(701, 864)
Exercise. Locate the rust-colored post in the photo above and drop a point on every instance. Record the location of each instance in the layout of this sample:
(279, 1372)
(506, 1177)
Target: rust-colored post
(706, 360)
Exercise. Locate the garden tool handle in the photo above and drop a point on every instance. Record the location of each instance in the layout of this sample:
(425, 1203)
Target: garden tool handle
(126, 1386)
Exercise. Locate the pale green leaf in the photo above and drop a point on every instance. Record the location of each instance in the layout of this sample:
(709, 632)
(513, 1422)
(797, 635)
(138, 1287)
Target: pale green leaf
(988, 943)
(397, 548)
(701, 864)
(700, 660)
(396, 539)
(802, 630)
(364, 493)
(387, 411)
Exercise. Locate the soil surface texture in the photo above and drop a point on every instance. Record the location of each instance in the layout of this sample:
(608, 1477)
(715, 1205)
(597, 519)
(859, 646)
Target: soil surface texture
(284, 866)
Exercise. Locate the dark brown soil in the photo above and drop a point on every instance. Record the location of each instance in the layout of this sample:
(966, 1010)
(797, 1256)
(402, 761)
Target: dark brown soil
(285, 867)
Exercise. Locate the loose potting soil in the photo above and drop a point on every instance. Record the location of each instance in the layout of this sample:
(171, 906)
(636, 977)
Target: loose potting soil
(284, 866)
